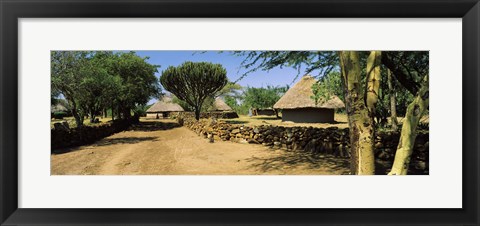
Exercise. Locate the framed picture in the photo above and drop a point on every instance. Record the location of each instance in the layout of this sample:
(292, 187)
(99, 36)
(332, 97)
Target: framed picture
(228, 112)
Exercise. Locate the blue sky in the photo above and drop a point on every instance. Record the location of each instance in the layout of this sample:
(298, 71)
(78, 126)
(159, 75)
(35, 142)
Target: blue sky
(275, 77)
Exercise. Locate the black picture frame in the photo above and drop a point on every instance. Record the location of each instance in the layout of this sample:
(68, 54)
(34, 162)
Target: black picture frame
(11, 11)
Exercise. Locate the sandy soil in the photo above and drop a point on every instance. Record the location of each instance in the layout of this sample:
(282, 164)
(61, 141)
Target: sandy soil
(341, 121)
(160, 147)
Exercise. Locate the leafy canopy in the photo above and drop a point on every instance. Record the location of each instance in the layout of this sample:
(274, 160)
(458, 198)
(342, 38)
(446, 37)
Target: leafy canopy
(193, 82)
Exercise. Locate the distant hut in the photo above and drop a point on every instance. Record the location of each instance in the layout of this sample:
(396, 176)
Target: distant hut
(163, 107)
(58, 108)
(264, 111)
(298, 106)
(220, 106)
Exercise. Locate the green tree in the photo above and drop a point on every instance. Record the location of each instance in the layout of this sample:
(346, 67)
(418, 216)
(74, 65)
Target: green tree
(361, 79)
(263, 97)
(92, 81)
(65, 76)
(194, 82)
(330, 84)
(138, 81)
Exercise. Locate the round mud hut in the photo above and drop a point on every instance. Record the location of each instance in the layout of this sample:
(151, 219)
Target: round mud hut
(162, 108)
(220, 109)
(220, 106)
(298, 106)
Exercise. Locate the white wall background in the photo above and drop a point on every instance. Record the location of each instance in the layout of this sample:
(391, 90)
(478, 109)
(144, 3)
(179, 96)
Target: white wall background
(442, 188)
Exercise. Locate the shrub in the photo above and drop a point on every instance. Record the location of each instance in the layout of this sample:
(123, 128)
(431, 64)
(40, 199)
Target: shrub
(59, 115)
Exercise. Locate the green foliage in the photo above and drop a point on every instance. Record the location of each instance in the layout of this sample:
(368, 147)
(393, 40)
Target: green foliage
(328, 85)
(141, 110)
(408, 67)
(231, 89)
(92, 81)
(182, 103)
(263, 97)
(194, 82)
(59, 115)
(208, 104)
(322, 61)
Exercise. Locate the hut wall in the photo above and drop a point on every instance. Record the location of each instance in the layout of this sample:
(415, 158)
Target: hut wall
(268, 112)
(160, 115)
(308, 115)
(152, 115)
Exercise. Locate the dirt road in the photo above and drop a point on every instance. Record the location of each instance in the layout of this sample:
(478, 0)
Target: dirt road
(162, 148)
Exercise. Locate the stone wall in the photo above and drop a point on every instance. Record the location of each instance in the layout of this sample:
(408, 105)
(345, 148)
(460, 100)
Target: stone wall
(63, 137)
(187, 114)
(330, 141)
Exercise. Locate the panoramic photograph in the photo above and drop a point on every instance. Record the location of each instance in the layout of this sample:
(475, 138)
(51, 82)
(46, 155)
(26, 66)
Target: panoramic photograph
(239, 112)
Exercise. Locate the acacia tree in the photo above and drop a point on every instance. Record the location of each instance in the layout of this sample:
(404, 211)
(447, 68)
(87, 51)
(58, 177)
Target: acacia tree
(412, 71)
(94, 81)
(65, 74)
(139, 83)
(361, 100)
(360, 108)
(263, 97)
(193, 82)
(393, 103)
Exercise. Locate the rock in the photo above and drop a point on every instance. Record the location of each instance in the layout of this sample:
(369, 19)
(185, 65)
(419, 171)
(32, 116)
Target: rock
(251, 141)
(235, 131)
(60, 127)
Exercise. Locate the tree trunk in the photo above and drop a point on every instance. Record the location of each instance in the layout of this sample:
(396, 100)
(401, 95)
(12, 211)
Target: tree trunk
(126, 113)
(197, 112)
(393, 104)
(409, 131)
(78, 118)
(113, 113)
(76, 115)
(92, 116)
(360, 123)
(373, 81)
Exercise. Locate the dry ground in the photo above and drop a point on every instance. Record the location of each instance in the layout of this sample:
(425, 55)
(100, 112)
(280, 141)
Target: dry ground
(341, 121)
(160, 147)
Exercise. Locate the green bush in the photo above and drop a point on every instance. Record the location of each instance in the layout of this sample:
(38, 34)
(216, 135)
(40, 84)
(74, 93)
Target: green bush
(59, 115)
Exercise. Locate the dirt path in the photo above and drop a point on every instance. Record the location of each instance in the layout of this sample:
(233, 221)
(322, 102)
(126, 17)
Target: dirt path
(162, 148)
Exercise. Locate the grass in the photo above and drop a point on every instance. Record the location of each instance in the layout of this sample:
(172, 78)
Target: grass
(341, 121)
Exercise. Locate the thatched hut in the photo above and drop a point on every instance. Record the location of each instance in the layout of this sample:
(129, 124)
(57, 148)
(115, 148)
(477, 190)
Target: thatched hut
(163, 107)
(58, 108)
(298, 106)
(220, 106)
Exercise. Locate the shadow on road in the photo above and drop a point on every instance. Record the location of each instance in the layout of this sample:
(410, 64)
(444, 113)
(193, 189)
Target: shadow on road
(298, 158)
(124, 140)
(142, 127)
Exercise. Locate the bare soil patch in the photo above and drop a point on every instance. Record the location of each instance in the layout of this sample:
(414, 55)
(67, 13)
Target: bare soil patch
(160, 147)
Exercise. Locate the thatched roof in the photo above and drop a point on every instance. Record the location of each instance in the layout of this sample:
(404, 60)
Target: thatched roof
(165, 104)
(60, 105)
(299, 96)
(58, 108)
(220, 105)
